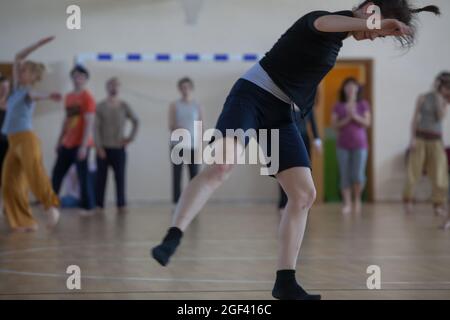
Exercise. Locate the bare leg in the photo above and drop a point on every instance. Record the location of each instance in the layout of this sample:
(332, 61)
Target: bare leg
(347, 197)
(193, 199)
(200, 189)
(447, 224)
(197, 193)
(299, 187)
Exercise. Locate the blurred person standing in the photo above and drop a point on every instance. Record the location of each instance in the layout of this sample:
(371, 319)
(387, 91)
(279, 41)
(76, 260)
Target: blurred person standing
(426, 150)
(75, 140)
(182, 115)
(351, 117)
(111, 143)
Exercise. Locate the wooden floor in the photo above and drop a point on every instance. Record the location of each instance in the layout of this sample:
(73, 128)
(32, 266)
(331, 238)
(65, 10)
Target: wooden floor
(229, 253)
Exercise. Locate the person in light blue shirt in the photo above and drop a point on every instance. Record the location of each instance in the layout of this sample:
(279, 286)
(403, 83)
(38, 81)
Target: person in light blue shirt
(21, 108)
(23, 169)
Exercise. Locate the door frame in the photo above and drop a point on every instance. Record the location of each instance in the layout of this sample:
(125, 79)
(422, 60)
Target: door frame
(317, 160)
(6, 69)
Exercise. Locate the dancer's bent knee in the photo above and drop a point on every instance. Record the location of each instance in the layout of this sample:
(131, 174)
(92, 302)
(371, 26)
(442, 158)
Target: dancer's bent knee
(302, 199)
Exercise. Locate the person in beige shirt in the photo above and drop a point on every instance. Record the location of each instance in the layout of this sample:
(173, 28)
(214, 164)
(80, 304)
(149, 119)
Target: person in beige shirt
(111, 142)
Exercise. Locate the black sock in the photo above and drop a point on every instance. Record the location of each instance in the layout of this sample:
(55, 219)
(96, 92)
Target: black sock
(287, 288)
(166, 249)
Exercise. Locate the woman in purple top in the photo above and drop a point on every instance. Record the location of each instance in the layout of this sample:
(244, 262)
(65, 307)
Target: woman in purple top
(351, 118)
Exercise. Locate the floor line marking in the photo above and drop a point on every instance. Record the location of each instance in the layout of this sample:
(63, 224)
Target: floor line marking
(95, 277)
(246, 258)
(199, 291)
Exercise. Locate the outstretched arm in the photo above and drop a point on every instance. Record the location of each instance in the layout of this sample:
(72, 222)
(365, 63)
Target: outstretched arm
(337, 23)
(40, 96)
(21, 55)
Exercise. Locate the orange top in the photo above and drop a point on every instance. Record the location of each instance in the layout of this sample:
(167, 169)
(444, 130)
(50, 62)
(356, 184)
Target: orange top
(78, 104)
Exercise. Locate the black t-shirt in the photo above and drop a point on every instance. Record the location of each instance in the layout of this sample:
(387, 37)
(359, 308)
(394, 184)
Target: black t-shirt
(302, 57)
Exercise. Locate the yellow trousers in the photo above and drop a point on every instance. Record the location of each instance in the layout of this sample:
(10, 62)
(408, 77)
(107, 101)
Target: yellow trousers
(428, 155)
(23, 171)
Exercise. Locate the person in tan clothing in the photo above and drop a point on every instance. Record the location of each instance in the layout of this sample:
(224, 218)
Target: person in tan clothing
(23, 169)
(111, 143)
(427, 152)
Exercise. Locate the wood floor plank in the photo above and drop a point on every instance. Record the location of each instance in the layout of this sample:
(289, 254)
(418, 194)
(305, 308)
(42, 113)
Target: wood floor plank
(229, 252)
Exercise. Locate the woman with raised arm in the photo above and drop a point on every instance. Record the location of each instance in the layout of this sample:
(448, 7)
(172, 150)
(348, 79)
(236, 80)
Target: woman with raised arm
(23, 168)
(289, 73)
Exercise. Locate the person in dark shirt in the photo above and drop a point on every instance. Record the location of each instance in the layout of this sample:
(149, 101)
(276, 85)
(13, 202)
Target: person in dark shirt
(262, 98)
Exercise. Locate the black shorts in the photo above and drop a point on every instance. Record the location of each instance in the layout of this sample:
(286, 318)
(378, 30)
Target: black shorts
(251, 107)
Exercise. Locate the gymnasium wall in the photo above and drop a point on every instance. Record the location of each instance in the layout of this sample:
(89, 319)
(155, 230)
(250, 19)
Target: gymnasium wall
(224, 26)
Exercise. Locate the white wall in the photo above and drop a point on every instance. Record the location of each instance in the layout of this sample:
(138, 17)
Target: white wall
(224, 26)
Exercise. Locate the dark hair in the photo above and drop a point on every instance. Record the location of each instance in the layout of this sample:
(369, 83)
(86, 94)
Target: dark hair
(3, 78)
(343, 95)
(80, 69)
(185, 80)
(443, 75)
(443, 80)
(404, 12)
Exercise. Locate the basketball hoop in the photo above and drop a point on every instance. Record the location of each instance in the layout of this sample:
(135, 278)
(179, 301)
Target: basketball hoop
(191, 10)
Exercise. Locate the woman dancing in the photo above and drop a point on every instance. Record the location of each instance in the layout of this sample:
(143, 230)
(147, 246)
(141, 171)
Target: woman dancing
(23, 168)
(289, 73)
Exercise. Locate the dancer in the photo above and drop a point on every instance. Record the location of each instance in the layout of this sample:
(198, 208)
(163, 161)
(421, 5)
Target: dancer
(4, 93)
(75, 140)
(290, 72)
(427, 148)
(182, 115)
(23, 169)
(351, 118)
(111, 142)
(302, 126)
